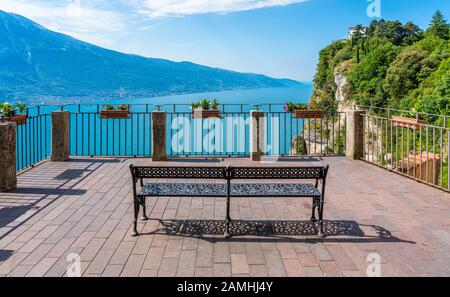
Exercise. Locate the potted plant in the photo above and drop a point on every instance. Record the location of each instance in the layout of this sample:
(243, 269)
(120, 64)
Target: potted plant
(410, 123)
(110, 112)
(14, 113)
(205, 108)
(303, 111)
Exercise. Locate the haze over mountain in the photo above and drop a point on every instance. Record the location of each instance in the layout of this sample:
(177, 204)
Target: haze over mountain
(37, 63)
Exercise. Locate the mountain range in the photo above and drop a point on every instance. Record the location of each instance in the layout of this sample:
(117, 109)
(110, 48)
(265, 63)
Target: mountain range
(36, 62)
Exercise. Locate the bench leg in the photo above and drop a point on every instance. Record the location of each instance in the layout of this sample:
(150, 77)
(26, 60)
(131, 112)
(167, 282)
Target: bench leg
(314, 206)
(227, 220)
(136, 214)
(320, 233)
(144, 210)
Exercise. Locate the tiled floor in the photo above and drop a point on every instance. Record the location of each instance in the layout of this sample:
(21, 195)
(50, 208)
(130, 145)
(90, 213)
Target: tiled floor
(84, 207)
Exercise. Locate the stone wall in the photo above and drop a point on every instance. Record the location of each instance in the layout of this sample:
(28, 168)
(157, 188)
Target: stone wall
(8, 178)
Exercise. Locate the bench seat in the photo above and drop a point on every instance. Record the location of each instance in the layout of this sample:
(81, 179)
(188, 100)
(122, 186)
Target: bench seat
(237, 190)
(229, 182)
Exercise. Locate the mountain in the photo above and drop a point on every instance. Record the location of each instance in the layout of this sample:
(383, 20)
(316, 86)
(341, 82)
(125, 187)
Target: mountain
(36, 62)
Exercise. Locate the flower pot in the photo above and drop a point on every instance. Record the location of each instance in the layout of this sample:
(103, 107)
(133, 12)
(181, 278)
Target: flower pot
(19, 119)
(114, 114)
(308, 114)
(205, 113)
(408, 122)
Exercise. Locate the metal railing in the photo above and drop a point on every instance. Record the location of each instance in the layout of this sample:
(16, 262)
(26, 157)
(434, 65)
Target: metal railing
(172, 108)
(418, 150)
(441, 120)
(229, 135)
(91, 135)
(33, 141)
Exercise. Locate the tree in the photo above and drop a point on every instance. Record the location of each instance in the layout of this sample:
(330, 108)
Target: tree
(395, 32)
(324, 86)
(357, 39)
(366, 78)
(412, 33)
(439, 26)
(402, 75)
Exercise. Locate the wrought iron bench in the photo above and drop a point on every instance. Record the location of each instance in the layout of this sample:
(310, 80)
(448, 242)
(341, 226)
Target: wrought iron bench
(229, 189)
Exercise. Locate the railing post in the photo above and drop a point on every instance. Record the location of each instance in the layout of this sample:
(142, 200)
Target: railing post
(256, 135)
(159, 135)
(60, 136)
(354, 148)
(8, 178)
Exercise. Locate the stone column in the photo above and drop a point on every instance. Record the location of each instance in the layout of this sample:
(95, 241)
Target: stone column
(354, 148)
(8, 178)
(256, 135)
(60, 136)
(159, 135)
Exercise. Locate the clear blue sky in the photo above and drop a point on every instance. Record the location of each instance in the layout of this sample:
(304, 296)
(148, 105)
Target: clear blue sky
(280, 38)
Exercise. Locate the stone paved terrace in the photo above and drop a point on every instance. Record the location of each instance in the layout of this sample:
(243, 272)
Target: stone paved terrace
(84, 206)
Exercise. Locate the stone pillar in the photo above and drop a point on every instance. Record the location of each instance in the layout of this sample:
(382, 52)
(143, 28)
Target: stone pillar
(8, 178)
(60, 136)
(159, 135)
(354, 148)
(256, 135)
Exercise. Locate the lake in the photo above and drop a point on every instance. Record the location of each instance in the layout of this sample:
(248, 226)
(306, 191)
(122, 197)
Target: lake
(91, 135)
(299, 94)
(257, 96)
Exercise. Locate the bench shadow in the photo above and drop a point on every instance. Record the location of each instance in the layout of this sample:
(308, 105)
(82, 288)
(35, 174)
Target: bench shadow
(335, 231)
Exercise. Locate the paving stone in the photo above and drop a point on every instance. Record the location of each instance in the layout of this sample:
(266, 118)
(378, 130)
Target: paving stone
(122, 253)
(222, 270)
(168, 267)
(133, 266)
(100, 261)
(374, 212)
(186, 264)
(42, 267)
(112, 271)
(239, 264)
(91, 250)
(154, 258)
(308, 259)
(222, 252)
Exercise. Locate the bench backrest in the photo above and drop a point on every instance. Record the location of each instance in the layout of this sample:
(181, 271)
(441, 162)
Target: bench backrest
(278, 172)
(141, 172)
(229, 172)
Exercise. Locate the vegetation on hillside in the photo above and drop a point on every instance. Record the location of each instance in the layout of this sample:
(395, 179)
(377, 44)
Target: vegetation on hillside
(392, 65)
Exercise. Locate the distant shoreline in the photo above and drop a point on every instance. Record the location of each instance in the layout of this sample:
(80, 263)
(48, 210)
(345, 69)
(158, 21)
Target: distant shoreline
(245, 96)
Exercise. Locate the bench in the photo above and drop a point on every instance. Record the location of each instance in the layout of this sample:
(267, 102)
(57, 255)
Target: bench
(230, 188)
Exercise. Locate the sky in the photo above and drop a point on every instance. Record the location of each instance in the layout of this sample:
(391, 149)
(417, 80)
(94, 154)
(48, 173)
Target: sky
(279, 38)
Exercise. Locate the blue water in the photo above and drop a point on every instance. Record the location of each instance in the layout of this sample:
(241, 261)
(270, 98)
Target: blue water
(91, 135)
(257, 96)
(249, 98)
